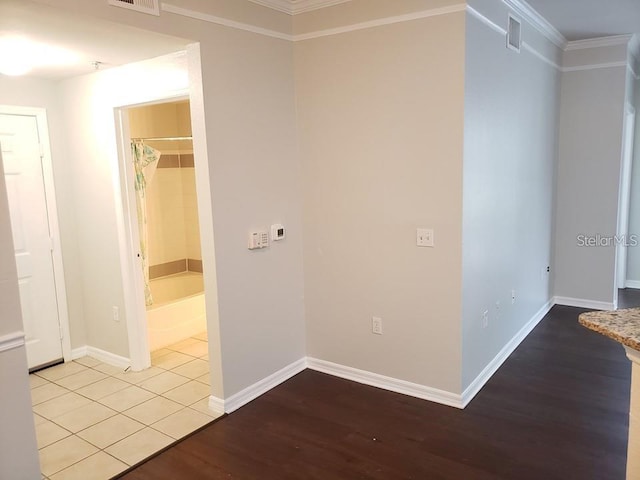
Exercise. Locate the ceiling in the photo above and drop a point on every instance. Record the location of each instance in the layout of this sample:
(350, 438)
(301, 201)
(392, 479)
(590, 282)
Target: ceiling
(92, 40)
(582, 19)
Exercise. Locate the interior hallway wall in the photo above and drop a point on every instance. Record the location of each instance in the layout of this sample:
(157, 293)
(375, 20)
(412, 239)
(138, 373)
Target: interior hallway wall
(592, 106)
(380, 122)
(511, 122)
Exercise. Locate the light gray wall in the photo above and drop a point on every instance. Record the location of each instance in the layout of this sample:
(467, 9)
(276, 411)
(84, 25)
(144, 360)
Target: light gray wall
(255, 181)
(591, 126)
(18, 449)
(40, 93)
(509, 157)
(380, 119)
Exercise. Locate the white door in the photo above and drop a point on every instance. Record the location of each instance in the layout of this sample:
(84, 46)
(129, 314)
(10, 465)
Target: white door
(22, 159)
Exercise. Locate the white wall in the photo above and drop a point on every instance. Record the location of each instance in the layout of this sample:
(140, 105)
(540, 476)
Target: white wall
(18, 449)
(509, 157)
(591, 125)
(34, 92)
(380, 129)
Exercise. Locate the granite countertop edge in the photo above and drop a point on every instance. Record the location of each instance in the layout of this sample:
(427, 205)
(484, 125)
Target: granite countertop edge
(623, 326)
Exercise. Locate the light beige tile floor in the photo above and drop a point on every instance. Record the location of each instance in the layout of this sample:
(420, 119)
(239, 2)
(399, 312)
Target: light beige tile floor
(94, 420)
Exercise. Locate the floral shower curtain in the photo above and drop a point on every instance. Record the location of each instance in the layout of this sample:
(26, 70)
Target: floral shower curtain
(145, 162)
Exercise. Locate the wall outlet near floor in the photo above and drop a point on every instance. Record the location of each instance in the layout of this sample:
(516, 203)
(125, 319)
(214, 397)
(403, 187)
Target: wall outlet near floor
(424, 237)
(116, 313)
(545, 272)
(376, 325)
(485, 319)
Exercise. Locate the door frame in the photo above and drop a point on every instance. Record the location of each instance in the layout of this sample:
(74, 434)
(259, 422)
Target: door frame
(40, 115)
(624, 198)
(132, 276)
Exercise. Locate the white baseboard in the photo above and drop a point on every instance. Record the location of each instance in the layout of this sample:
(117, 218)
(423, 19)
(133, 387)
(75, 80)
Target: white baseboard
(252, 392)
(493, 366)
(216, 405)
(404, 387)
(78, 352)
(632, 284)
(583, 303)
(386, 383)
(102, 355)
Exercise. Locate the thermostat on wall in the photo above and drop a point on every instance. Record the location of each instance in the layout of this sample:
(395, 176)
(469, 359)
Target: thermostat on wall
(277, 232)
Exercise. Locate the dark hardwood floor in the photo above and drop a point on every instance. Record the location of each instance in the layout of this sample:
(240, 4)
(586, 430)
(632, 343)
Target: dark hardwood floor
(557, 409)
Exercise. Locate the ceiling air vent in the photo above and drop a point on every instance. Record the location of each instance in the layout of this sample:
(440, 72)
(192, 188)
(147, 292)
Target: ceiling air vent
(514, 34)
(152, 7)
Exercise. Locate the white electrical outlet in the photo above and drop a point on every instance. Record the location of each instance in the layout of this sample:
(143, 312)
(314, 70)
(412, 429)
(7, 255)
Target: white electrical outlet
(376, 325)
(424, 237)
(513, 296)
(485, 319)
(116, 314)
(545, 272)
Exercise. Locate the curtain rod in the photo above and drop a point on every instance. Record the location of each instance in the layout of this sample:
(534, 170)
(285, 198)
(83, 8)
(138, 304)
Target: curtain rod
(156, 139)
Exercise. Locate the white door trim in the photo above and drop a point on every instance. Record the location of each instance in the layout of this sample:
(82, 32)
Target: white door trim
(624, 198)
(129, 239)
(52, 214)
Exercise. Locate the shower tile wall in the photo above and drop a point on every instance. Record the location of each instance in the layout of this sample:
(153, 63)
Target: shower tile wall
(166, 217)
(174, 236)
(191, 224)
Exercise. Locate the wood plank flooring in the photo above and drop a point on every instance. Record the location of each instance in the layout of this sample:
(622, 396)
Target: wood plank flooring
(557, 409)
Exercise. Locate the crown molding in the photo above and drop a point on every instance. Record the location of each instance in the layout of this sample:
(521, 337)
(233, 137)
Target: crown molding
(279, 5)
(612, 41)
(205, 17)
(537, 21)
(595, 66)
(295, 7)
(382, 21)
(307, 36)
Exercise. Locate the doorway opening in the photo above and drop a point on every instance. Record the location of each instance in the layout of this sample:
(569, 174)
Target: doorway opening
(168, 227)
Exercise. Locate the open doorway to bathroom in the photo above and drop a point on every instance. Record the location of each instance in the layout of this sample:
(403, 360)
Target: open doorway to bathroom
(169, 235)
